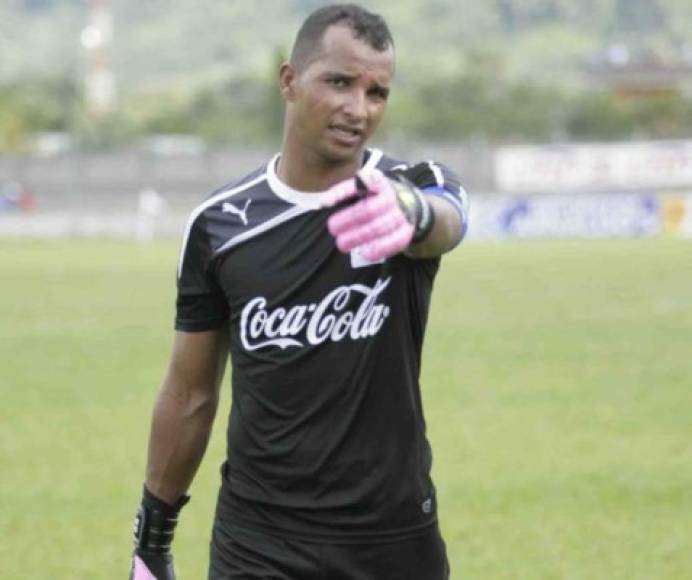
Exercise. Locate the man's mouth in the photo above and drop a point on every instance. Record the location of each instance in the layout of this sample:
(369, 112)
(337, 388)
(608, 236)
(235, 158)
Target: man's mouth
(346, 133)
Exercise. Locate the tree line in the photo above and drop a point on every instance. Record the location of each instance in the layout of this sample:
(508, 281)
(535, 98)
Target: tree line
(473, 107)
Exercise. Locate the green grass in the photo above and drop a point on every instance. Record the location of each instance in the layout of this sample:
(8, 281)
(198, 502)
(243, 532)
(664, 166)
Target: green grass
(558, 387)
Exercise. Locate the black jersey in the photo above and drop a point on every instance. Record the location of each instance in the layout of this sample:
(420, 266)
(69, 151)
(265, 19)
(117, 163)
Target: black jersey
(326, 435)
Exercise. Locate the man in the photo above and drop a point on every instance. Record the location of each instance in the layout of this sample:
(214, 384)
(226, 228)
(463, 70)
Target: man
(315, 271)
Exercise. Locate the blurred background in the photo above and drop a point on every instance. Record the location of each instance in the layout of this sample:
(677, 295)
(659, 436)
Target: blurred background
(110, 104)
(557, 373)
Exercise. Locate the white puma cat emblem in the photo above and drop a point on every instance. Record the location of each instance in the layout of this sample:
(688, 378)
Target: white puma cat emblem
(241, 213)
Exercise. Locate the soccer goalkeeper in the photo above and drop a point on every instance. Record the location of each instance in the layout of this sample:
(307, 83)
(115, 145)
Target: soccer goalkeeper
(315, 273)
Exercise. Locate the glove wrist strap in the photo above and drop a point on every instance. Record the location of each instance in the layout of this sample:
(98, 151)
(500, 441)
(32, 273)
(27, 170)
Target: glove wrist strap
(417, 209)
(155, 523)
(427, 218)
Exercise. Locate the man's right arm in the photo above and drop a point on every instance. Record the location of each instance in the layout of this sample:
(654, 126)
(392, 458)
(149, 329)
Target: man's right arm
(184, 412)
(181, 424)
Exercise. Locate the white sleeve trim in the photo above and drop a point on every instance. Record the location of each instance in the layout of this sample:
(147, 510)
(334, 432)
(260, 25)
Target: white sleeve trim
(207, 204)
(437, 173)
(263, 227)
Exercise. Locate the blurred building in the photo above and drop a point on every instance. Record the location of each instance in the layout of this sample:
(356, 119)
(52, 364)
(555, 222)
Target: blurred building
(628, 74)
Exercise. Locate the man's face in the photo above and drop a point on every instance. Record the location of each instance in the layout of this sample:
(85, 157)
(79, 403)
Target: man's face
(338, 99)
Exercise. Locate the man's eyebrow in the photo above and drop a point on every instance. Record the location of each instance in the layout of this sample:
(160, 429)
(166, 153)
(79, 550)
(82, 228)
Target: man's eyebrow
(375, 86)
(338, 73)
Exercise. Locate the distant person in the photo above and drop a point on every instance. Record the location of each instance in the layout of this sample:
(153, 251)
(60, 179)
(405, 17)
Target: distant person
(150, 206)
(14, 196)
(315, 272)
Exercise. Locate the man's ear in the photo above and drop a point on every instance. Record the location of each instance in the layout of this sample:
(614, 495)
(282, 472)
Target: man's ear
(287, 81)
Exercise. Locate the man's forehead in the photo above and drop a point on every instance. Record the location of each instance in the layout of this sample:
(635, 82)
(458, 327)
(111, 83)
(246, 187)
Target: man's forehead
(340, 49)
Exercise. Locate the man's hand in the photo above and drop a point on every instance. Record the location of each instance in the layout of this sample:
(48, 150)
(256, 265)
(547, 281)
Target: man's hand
(389, 215)
(155, 568)
(154, 526)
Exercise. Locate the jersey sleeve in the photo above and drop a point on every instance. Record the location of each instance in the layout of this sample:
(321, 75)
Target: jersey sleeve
(200, 304)
(433, 178)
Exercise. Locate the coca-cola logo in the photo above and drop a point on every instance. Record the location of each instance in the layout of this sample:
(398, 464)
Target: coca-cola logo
(330, 319)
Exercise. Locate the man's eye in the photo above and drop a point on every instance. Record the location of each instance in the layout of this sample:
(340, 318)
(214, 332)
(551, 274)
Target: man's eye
(339, 82)
(379, 94)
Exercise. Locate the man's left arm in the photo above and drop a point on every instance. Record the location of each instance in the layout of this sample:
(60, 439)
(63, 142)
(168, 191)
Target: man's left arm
(445, 234)
(441, 189)
(421, 211)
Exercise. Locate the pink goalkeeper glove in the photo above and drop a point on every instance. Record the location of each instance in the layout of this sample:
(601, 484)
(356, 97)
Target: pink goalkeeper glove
(389, 215)
(140, 570)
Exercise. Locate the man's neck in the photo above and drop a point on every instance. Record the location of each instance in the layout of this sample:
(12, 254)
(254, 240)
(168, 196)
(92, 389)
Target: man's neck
(306, 172)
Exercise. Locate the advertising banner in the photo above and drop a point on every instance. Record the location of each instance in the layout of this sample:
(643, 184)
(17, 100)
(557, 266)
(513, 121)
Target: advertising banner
(583, 216)
(596, 167)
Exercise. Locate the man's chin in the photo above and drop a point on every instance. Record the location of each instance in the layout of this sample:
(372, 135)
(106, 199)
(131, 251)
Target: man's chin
(342, 156)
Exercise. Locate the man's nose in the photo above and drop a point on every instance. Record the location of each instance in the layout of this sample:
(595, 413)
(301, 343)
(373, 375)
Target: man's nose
(355, 106)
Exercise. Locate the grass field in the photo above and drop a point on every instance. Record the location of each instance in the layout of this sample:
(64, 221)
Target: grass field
(557, 379)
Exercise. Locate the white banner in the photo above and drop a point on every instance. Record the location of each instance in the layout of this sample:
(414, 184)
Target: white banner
(616, 166)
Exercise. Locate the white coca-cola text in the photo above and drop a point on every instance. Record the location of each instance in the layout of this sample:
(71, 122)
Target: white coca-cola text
(329, 319)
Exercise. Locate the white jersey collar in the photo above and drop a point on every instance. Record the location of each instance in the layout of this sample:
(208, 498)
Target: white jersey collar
(307, 199)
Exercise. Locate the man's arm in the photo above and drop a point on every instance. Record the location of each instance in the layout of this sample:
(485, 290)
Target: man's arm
(420, 215)
(184, 412)
(180, 428)
(445, 234)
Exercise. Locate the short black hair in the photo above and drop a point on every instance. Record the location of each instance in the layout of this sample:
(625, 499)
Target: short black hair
(366, 26)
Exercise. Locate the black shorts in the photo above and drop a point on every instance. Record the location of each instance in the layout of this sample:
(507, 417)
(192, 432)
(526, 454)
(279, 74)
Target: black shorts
(240, 554)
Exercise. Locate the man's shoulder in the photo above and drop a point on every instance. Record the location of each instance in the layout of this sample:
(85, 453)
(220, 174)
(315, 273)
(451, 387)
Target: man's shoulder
(247, 181)
(395, 164)
(384, 161)
(247, 185)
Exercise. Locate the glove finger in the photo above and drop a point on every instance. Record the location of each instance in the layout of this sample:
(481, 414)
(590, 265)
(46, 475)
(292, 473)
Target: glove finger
(380, 227)
(389, 245)
(376, 181)
(340, 192)
(361, 213)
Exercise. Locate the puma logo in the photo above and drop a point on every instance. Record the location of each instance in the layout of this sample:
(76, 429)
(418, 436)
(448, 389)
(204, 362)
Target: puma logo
(228, 207)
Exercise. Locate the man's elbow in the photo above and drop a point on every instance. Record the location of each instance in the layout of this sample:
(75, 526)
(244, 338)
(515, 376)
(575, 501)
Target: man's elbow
(198, 398)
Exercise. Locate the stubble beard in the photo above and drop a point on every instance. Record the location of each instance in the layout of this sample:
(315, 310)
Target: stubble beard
(330, 155)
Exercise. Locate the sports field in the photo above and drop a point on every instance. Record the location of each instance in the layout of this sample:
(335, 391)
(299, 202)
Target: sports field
(557, 379)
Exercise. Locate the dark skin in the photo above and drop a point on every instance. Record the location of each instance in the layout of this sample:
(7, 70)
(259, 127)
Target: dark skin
(334, 103)
(344, 87)
(185, 411)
